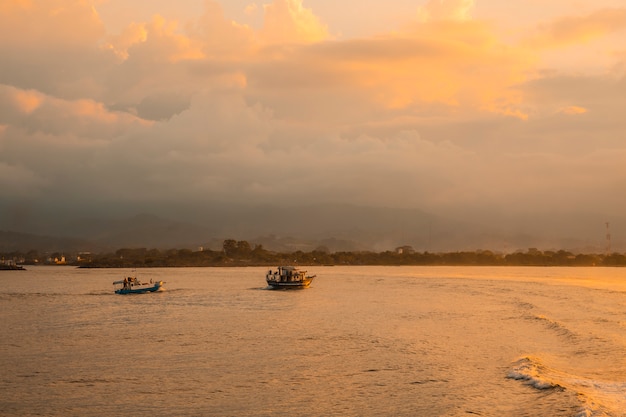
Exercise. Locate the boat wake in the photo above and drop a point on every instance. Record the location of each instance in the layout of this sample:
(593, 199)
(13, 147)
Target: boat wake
(557, 327)
(533, 373)
(597, 398)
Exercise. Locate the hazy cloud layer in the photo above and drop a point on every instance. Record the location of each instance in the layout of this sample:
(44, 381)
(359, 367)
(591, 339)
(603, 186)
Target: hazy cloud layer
(447, 110)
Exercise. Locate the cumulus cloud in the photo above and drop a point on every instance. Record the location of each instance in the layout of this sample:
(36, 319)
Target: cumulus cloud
(26, 23)
(456, 65)
(33, 111)
(221, 38)
(52, 46)
(133, 34)
(289, 21)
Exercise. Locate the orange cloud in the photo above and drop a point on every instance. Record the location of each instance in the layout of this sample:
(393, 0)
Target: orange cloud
(251, 9)
(161, 37)
(221, 38)
(133, 34)
(91, 109)
(83, 118)
(580, 29)
(27, 101)
(53, 21)
(445, 10)
(573, 110)
(164, 40)
(287, 21)
(454, 65)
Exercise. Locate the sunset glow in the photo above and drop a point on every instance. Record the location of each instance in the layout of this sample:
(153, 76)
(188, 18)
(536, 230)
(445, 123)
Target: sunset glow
(425, 104)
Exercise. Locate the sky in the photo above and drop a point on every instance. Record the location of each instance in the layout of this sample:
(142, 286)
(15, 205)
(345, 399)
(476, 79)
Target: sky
(448, 106)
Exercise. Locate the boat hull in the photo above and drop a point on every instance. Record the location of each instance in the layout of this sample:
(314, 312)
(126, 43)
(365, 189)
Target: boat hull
(275, 285)
(156, 287)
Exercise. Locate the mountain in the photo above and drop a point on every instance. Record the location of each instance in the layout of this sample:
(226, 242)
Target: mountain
(330, 227)
(142, 230)
(102, 234)
(24, 242)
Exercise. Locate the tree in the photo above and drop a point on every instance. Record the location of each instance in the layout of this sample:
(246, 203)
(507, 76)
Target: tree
(243, 248)
(230, 247)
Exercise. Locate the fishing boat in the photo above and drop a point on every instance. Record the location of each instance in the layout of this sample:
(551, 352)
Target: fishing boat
(288, 277)
(11, 267)
(131, 285)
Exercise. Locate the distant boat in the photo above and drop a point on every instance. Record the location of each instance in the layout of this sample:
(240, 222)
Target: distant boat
(131, 285)
(11, 267)
(288, 277)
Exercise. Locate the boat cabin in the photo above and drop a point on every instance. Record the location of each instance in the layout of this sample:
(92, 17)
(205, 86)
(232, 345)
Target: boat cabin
(286, 274)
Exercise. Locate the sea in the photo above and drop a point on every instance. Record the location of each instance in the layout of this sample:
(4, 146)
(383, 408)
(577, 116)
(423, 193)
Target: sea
(361, 341)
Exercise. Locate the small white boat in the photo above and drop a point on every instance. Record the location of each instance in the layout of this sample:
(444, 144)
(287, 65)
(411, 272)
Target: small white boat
(131, 285)
(288, 277)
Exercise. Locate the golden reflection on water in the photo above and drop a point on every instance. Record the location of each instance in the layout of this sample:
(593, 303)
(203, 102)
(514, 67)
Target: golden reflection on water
(361, 341)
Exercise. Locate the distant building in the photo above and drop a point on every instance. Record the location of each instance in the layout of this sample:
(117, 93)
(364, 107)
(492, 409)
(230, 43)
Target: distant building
(84, 256)
(405, 250)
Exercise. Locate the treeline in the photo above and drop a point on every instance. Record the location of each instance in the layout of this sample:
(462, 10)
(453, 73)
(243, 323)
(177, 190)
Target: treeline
(240, 253)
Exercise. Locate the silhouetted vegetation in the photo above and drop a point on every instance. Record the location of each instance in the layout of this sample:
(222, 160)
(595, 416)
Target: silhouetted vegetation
(240, 253)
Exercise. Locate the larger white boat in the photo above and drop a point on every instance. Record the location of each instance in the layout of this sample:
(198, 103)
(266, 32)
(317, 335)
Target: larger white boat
(288, 277)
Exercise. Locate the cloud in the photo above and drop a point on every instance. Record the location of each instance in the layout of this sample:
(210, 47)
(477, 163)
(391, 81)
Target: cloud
(573, 30)
(251, 9)
(52, 47)
(446, 10)
(20, 182)
(133, 34)
(52, 22)
(288, 21)
(52, 151)
(162, 43)
(223, 39)
(26, 101)
(441, 113)
(160, 69)
(572, 110)
(452, 65)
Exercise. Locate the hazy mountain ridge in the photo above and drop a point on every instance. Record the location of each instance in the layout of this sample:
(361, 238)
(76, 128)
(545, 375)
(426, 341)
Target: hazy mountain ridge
(23, 242)
(332, 227)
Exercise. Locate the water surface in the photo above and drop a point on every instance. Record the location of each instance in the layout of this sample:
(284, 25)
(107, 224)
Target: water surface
(362, 341)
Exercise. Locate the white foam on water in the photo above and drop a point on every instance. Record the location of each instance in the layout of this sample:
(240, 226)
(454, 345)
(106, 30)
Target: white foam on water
(598, 398)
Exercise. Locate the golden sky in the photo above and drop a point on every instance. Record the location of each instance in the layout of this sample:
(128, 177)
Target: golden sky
(441, 105)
